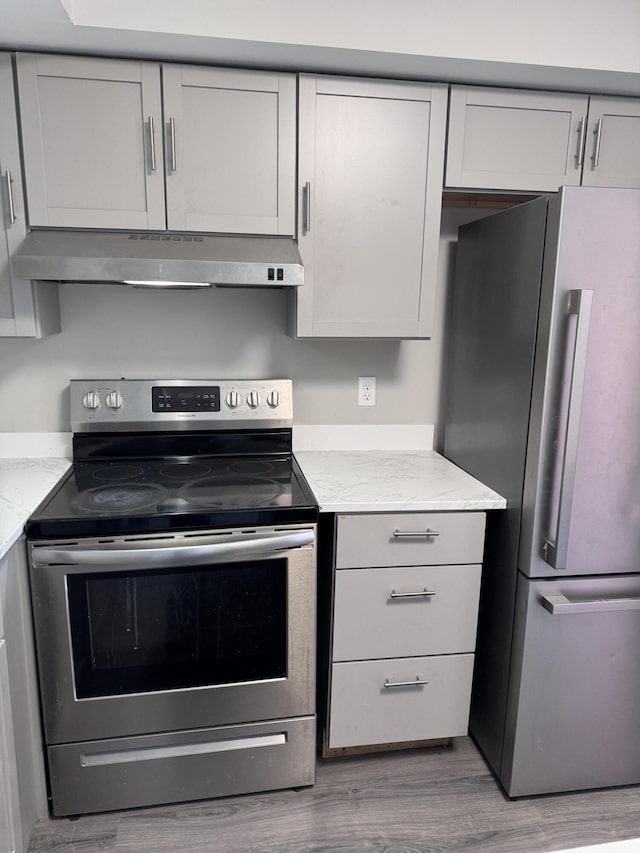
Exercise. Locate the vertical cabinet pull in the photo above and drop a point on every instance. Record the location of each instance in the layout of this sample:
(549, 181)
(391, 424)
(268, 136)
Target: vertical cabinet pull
(12, 209)
(306, 209)
(152, 144)
(582, 130)
(172, 135)
(596, 149)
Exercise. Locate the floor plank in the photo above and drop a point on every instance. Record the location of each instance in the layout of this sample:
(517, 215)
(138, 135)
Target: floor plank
(418, 801)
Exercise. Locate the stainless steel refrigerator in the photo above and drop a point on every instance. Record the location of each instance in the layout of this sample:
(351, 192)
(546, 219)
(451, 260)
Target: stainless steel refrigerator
(543, 404)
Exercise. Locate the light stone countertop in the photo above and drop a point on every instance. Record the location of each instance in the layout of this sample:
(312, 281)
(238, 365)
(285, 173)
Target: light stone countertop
(24, 483)
(392, 481)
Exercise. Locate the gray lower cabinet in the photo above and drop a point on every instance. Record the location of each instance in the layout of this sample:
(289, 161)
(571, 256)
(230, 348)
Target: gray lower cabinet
(101, 137)
(27, 309)
(405, 609)
(23, 799)
(370, 164)
(523, 140)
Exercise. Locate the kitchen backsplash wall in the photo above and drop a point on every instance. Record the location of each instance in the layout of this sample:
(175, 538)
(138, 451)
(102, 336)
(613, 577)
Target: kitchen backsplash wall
(112, 331)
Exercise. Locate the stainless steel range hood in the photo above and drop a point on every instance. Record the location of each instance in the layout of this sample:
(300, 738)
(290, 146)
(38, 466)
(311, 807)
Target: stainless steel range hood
(159, 260)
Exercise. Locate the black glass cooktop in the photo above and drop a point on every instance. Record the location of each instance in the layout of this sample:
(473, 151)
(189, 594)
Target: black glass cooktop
(130, 494)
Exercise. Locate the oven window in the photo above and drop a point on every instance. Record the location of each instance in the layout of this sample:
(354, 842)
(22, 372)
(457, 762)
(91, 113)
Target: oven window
(143, 631)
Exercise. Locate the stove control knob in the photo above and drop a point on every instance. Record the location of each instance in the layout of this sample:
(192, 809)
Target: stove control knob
(114, 400)
(234, 399)
(253, 399)
(91, 400)
(273, 399)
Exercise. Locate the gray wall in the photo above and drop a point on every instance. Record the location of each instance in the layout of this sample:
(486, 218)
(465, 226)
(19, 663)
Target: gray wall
(113, 331)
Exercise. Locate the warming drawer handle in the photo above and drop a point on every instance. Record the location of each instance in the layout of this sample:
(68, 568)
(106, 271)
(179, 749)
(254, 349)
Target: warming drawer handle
(555, 551)
(422, 593)
(558, 604)
(180, 555)
(419, 682)
(427, 533)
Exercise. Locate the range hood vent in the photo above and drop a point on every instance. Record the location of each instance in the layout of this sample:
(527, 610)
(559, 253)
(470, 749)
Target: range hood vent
(162, 260)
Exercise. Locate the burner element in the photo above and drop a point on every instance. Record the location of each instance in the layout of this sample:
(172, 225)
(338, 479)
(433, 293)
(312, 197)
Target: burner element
(231, 492)
(120, 499)
(185, 470)
(117, 472)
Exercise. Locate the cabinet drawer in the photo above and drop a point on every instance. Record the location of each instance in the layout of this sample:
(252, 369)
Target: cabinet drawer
(409, 539)
(364, 711)
(384, 613)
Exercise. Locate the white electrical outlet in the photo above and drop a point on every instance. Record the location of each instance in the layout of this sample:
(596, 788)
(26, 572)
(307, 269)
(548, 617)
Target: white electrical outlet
(366, 390)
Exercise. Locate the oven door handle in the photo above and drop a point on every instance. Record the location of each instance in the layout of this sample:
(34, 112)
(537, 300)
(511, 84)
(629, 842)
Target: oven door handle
(180, 555)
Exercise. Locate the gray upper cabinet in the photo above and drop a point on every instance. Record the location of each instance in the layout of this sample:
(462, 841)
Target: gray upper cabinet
(612, 144)
(27, 309)
(92, 142)
(538, 141)
(370, 164)
(514, 140)
(98, 148)
(230, 149)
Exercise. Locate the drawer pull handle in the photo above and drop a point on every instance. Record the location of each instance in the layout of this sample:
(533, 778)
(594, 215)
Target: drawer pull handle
(427, 533)
(419, 682)
(422, 593)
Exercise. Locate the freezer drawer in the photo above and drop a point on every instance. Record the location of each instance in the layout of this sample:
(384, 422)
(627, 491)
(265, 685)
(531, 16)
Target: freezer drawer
(574, 692)
(390, 701)
(403, 612)
(409, 539)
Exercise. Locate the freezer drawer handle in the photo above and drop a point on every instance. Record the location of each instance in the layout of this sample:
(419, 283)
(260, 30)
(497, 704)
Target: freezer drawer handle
(559, 604)
(428, 533)
(419, 682)
(422, 593)
(555, 552)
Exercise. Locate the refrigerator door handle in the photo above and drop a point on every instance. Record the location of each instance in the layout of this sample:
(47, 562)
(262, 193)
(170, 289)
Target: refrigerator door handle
(558, 604)
(555, 551)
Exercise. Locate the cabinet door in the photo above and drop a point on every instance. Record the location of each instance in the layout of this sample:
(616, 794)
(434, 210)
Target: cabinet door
(91, 132)
(369, 181)
(8, 782)
(514, 140)
(612, 156)
(230, 150)
(26, 309)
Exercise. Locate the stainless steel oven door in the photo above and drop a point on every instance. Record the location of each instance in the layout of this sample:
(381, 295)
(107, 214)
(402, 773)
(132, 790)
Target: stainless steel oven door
(154, 633)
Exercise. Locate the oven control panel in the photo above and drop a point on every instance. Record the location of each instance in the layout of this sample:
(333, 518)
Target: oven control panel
(166, 404)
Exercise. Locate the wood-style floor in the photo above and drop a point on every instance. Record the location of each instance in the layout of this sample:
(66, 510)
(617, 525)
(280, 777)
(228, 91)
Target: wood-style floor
(418, 801)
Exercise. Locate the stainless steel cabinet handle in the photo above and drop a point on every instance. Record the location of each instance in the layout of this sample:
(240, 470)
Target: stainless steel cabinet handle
(172, 129)
(582, 129)
(559, 604)
(306, 210)
(419, 682)
(555, 551)
(180, 555)
(428, 533)
(12, 209)
(152, 143)
(596, 150)
(423, 593)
